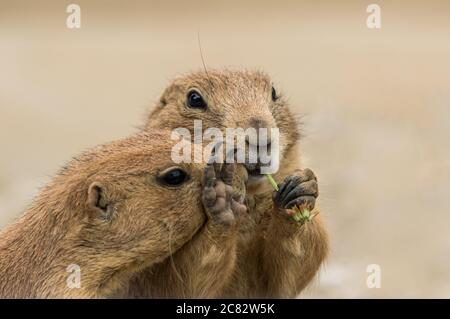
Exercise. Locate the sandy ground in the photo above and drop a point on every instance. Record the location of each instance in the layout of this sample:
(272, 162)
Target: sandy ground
(376, 107)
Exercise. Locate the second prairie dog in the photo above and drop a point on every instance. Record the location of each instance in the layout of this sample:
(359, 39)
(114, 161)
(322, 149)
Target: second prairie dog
(277, 257)
(112, 213)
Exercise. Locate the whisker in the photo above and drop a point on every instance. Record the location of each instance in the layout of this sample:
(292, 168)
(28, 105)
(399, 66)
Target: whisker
(172, 262)
(203, 59)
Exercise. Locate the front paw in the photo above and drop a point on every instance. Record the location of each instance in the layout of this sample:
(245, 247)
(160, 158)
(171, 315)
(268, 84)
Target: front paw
(299, 190)
(220, 200)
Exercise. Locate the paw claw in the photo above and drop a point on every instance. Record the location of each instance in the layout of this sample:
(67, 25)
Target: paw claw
(297, 191)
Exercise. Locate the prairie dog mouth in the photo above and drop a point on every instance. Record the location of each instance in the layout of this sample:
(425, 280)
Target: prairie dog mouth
(254, 171)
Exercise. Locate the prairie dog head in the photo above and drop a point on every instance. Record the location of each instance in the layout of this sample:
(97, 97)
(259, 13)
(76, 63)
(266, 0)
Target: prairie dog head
(137, 196)
(228, 99)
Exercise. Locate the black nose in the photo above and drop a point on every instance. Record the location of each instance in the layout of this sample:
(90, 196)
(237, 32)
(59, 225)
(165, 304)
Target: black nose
(257, 123)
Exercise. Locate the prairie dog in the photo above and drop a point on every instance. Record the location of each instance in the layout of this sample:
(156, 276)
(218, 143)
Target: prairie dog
(276, 256)
(111, 213)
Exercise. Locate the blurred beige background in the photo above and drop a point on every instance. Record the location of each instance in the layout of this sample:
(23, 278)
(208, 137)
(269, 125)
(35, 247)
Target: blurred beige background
(376, 106)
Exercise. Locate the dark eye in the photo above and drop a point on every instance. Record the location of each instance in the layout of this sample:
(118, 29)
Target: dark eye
(174, 177)
(195, 100)
(274, 94)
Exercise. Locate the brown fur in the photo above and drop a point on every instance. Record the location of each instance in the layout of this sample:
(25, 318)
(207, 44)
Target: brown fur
(149, 222)
(275, 257)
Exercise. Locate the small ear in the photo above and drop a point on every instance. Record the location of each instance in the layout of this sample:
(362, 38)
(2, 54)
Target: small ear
(162, 101)
(98, 201)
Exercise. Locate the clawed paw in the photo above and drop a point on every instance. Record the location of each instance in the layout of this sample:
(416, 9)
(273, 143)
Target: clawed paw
(221, 202)
(299, 190)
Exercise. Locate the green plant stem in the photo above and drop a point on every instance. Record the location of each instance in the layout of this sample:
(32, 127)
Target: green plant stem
(272, 182)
